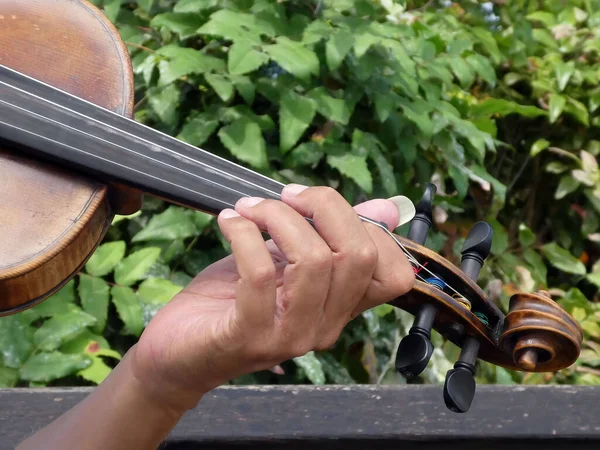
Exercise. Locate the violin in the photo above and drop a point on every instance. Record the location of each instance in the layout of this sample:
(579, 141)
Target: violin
(71, 157)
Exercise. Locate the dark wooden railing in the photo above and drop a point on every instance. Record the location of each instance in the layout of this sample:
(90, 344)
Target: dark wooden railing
(351, 417)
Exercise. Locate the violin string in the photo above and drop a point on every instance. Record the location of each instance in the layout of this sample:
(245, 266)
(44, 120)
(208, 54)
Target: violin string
(222, 186)
(129, 168)
(140, 125)
(407, 253)
(89, 135)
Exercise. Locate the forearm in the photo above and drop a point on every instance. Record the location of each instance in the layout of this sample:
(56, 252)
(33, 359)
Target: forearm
(119, 414)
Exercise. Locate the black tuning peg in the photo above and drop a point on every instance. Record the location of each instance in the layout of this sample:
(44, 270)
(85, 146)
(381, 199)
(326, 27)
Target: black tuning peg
(421, 222)
(476, 248)
(415, 349)
(459, 387)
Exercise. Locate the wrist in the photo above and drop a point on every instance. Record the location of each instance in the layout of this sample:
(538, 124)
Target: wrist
(159, 392)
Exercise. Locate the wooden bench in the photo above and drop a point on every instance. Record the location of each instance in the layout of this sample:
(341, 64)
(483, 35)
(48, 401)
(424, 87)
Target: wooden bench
(351, 417)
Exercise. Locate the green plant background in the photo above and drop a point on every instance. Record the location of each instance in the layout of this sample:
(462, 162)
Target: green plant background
(496, 103)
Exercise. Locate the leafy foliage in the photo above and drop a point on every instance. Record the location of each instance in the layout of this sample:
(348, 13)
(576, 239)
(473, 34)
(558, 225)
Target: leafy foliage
(496, 103)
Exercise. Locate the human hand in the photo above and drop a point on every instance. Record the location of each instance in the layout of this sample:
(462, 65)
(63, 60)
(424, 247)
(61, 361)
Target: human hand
(271, 301)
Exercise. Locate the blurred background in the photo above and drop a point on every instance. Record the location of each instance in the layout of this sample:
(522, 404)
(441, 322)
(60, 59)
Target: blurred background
(497, 103)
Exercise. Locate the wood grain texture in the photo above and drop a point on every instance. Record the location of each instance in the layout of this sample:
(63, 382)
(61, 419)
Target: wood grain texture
(51, 220)
(350, 417)
(533, 322)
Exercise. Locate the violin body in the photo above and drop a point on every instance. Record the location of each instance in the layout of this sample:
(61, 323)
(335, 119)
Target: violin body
(52, 219)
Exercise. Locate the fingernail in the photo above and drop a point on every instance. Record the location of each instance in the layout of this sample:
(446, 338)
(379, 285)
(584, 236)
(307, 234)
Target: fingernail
(294, 189)
(228, 214)
(249, 202)
(406, 209)
(277, 370)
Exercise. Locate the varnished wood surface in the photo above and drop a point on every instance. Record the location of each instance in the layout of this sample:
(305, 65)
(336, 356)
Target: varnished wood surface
(351, 417)
(537, 323)
(50, 220)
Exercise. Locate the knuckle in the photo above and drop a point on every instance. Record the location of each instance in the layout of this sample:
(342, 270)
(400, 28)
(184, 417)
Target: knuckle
(328, 193)
(404, 277)
(327, 341)
(262, 275)
(320, 258)
(301, 347)
(367, 255)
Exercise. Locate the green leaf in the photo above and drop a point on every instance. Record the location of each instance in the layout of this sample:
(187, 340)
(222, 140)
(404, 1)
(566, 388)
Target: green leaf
(112, 8)
(237, 26)
(354, 167)
(462, 70)
(483, 67)
(334, 370)
(61, 328)
(146, 5)
(594, 278)
(526, 236)
(563, 72)
(105, 258)
(165, 102)
(545, 38)
(566, 185)
(129, 309)
(245, 87)
(96, 372)
(503, 376)
(337, 48)
(8, 377)
(185, 25)
(500, 239)
(386, 171)
(177, 62)
(294, 57)
(330, 107)
(363, 42)
(594, 102)
(539, 269)
(538, 146)
(578, 110)
(546, 18)
(244, 139)
(221, 85)
(94, 295)
(198, 129)
(191, 6)
(157, 291)
(45, 367)
(245, 58)
(496, 106)
(312, 367)
(295, 116)
(556, 106)
(85, 342)
(562, 259)
(61, 302)
(15, 341)
(384, 105)
(135, 266)
(173, 223)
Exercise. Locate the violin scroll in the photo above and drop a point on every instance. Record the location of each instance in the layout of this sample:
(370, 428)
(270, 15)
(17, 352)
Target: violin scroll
(540, 335)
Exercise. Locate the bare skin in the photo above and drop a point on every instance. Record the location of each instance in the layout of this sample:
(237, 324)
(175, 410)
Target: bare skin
(262, 305)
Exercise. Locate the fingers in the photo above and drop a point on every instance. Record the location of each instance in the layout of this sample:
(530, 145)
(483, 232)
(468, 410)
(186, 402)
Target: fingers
(256, 292)
(307, 274)
(393, 275)
(355, 254)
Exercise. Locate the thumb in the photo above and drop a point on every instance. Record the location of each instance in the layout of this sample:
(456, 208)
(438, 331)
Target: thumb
(394, 212)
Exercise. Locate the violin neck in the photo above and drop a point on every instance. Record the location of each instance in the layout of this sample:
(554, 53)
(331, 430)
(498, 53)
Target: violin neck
(55, 125)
